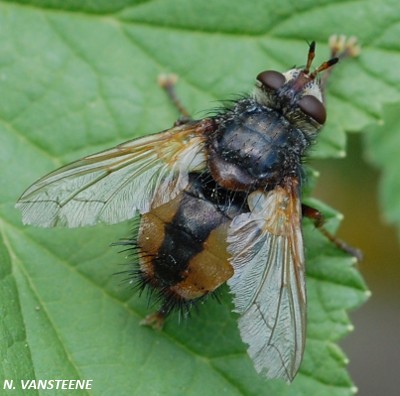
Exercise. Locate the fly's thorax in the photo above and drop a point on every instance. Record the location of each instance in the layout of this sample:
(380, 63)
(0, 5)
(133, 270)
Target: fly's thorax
(254, 146)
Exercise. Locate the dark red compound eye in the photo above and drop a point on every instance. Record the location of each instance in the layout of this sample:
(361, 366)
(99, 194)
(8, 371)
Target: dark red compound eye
(271, 79)
(312, 107)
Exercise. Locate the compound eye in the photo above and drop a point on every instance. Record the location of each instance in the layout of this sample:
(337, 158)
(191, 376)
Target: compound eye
(271, 79)
(312, 107)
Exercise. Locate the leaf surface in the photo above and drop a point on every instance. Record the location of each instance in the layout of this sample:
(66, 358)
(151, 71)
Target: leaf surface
(77, 77)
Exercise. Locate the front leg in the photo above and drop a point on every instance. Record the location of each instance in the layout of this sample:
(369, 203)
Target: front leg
(168, 82)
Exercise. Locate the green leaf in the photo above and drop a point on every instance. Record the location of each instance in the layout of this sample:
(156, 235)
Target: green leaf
(383, 142)
(77, 77)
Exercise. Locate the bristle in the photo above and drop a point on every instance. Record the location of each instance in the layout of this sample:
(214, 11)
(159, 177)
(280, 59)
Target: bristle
(157, 295)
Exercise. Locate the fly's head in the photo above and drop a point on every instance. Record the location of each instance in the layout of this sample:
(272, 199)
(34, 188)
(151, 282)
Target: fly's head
(296, 94)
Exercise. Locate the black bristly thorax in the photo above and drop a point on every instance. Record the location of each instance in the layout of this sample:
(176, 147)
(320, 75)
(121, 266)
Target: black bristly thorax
(254, 146)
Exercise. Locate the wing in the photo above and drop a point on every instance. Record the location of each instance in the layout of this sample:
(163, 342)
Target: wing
(112, 185)
(268, 284)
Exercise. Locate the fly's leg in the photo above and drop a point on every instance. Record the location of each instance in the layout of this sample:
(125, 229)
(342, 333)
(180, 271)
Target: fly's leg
(318, 218)
(156, 320)
(341, 47)
(168, 82)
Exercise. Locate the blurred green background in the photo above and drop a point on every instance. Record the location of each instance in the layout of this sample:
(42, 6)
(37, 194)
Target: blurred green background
(351, 186)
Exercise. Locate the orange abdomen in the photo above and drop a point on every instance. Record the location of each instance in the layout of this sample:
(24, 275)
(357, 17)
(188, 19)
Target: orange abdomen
(182, 247)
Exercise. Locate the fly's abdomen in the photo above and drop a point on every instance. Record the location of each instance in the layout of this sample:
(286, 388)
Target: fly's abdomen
(182, 246)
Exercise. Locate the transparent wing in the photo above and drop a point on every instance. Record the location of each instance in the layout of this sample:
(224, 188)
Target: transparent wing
(268, 284)
(112, 185)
